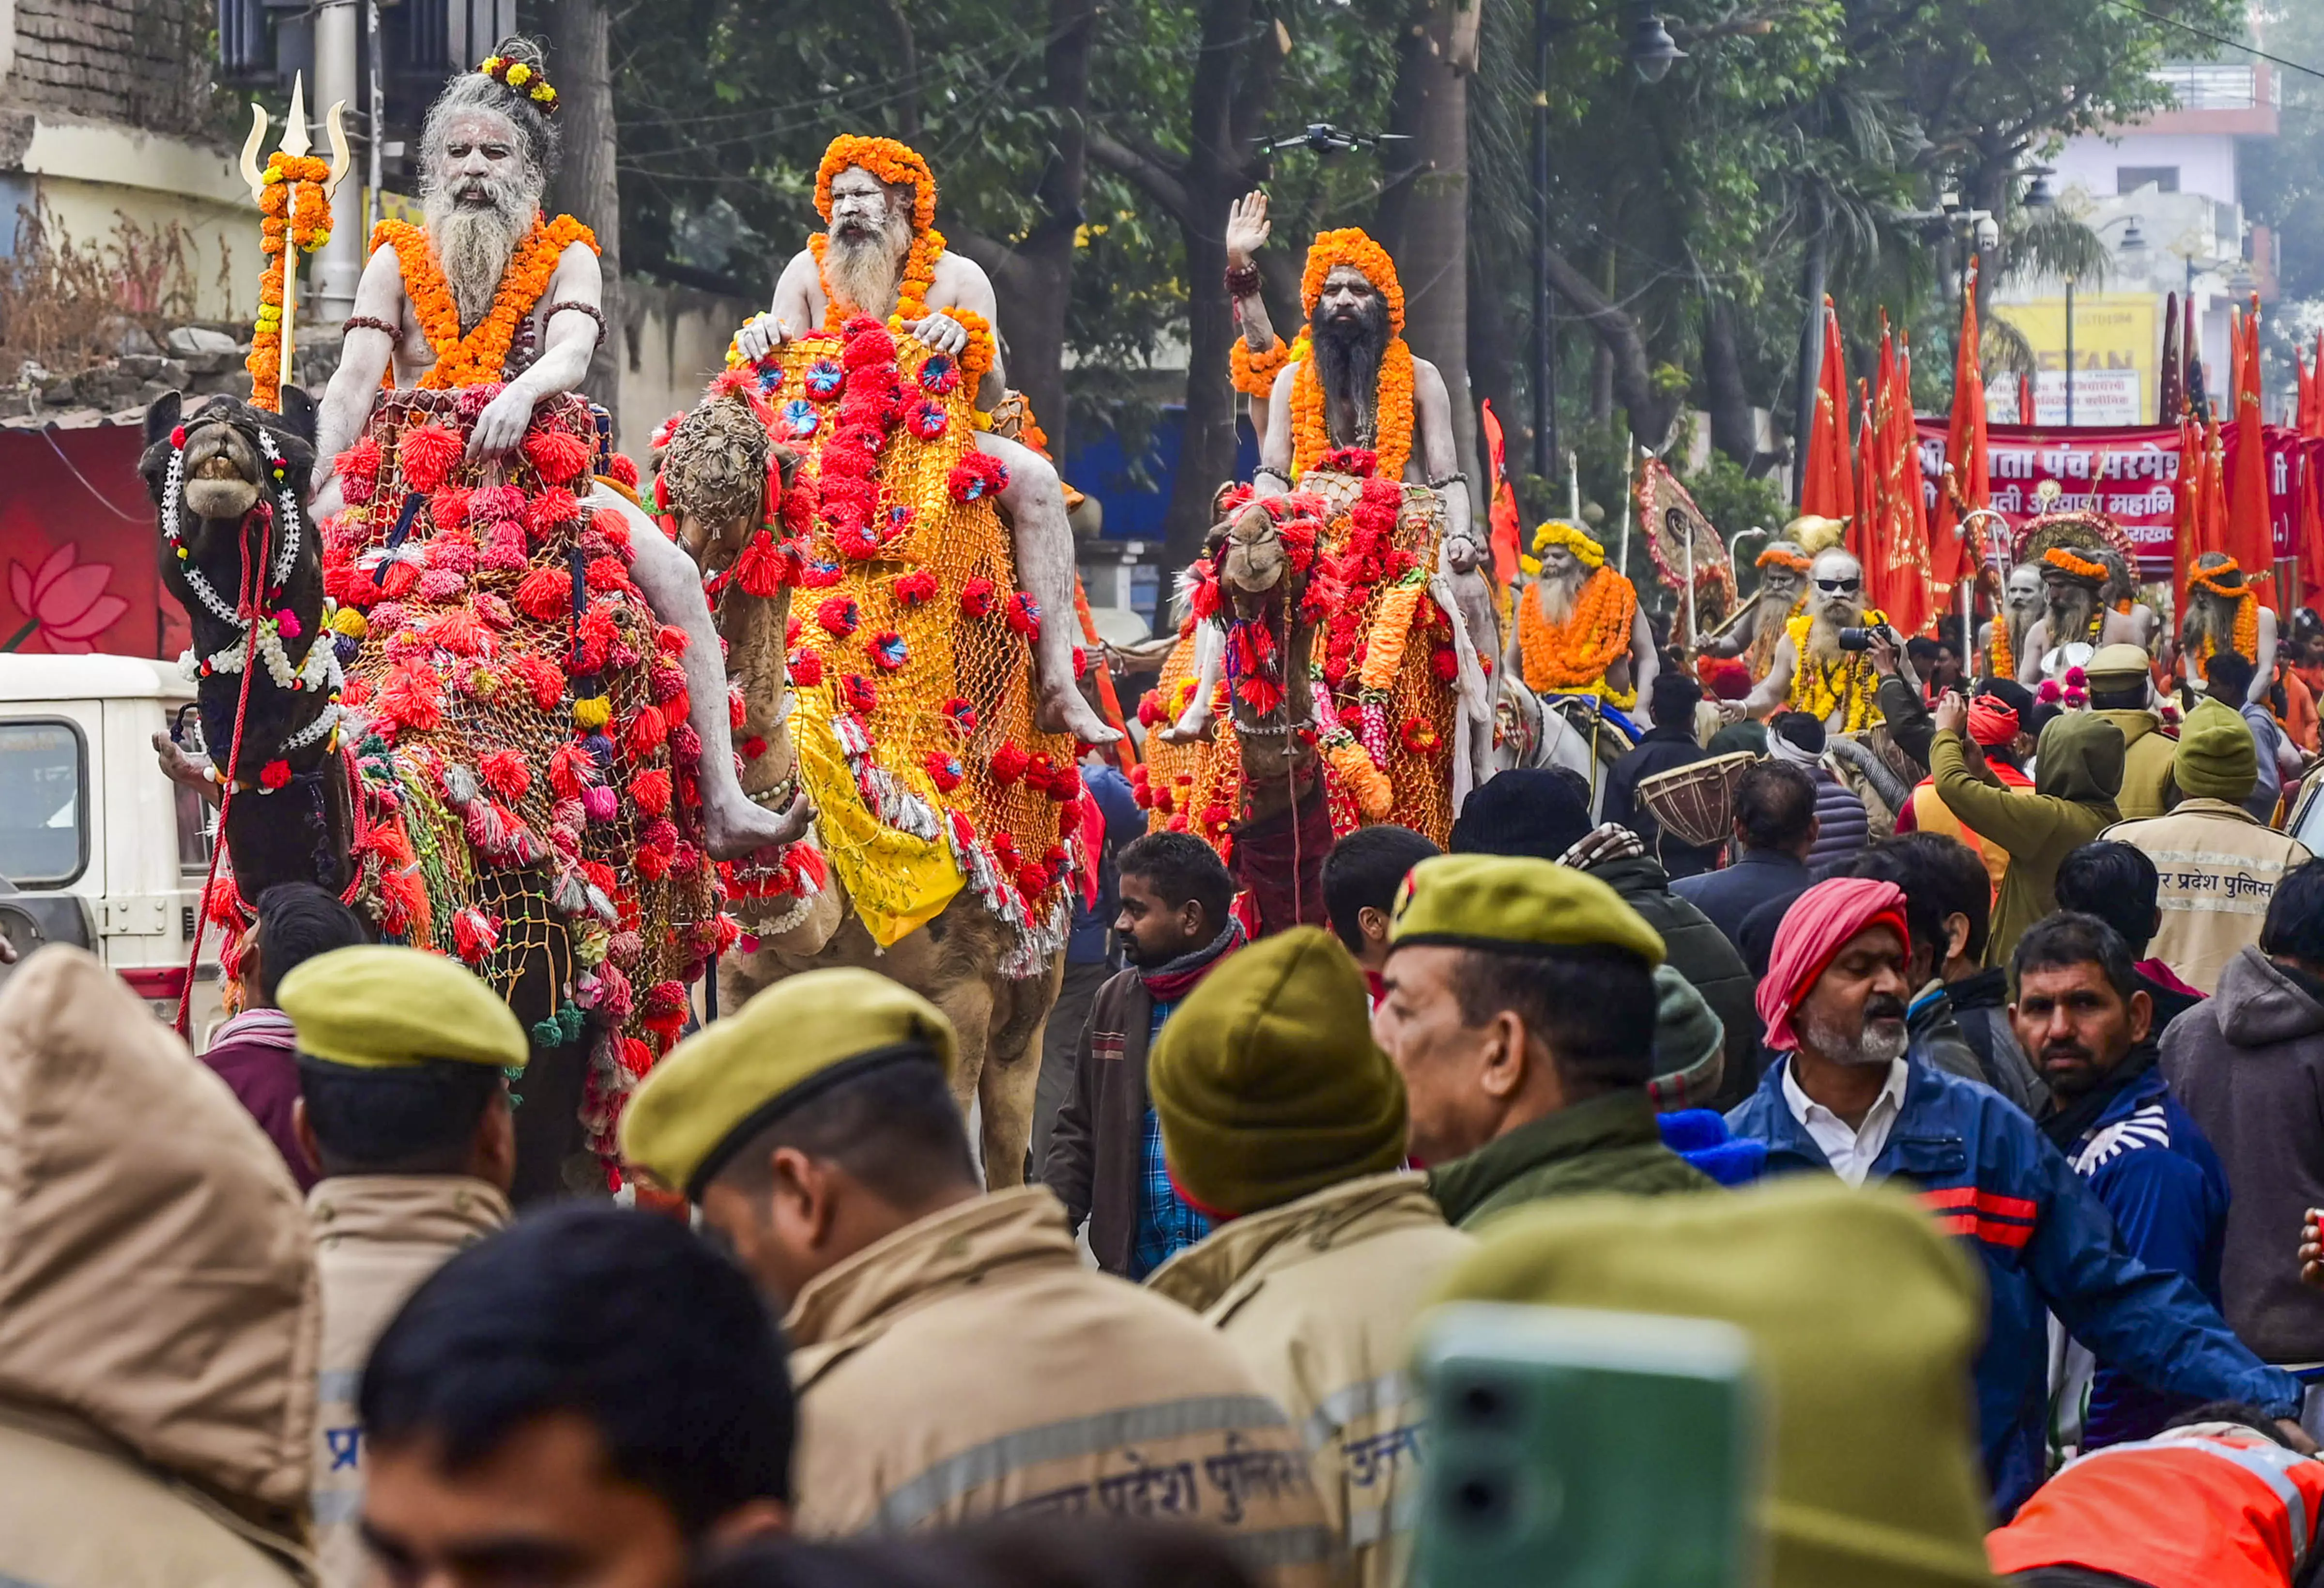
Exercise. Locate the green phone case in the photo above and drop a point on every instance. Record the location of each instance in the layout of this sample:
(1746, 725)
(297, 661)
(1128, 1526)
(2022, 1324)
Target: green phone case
(1566, 1446)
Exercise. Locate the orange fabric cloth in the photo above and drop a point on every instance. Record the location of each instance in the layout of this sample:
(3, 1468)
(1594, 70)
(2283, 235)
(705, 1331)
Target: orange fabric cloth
(2299, 709)
(1925, 813)
(2177, 1513)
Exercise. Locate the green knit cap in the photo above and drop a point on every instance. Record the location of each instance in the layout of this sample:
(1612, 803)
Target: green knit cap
(2216, 758)
(1267, 1083)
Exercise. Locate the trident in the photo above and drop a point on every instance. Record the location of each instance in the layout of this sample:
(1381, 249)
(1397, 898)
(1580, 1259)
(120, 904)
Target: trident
(294, 142)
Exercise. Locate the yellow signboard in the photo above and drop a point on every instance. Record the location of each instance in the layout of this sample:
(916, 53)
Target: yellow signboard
(2115, 334)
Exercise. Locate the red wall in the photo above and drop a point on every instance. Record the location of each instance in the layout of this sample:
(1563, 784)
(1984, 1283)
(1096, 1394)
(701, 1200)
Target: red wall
(79, 548)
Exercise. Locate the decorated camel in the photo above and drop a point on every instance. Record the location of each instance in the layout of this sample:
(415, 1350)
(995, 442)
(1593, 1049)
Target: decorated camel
(891, 685)
(463, 683)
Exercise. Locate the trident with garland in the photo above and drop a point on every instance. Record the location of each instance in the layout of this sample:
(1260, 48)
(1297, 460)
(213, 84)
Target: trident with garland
(288, 167)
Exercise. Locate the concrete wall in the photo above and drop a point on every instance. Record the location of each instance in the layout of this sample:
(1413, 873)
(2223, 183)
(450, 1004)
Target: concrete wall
(91, 176)
(676, 340)
(2206, 161)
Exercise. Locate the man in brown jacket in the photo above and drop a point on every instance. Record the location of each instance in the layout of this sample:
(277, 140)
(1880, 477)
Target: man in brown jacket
(2217, 865)
(1105, 1156)
(1284, 1121)
(157, 1304)
(2248, 1064)
(954, 1359)
(404, 1109)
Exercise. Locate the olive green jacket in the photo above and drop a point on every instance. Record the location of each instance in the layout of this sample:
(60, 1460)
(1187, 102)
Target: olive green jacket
(1609, 1143)
(2077, 772)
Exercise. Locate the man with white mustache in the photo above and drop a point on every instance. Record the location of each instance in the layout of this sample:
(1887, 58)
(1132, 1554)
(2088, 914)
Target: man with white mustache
(1811, 672)
(861, 269)
(487, 149)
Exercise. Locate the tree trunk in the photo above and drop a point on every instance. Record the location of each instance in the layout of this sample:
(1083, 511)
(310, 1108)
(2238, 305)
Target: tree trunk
(1492, 377)
(1732, 428)
(1033, 282)
(585, 187)
(1427, 211)
(1213, 179)
(1814, 263)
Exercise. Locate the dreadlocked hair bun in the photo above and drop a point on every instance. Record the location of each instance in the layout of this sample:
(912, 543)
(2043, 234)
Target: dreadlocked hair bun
(535, 125)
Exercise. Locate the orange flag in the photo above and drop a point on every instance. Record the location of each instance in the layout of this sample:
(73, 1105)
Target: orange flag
(1119, 752)
(1866, 483)
(2250, 537)
(1951, 556)
(1502, 515)
(1828, 490)
(2309, 546)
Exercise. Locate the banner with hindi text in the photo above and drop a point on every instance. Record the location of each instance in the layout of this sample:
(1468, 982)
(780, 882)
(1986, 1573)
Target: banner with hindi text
(2129, 474)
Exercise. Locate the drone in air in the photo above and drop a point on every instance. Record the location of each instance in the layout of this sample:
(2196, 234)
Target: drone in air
(1323, 138)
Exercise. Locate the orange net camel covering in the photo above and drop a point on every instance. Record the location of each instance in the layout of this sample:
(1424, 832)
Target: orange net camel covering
(912, 647)
(520, 729)
(1386, 661)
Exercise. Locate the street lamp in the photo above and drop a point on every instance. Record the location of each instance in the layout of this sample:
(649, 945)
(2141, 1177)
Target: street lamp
(1652, 49)
(2038, 195)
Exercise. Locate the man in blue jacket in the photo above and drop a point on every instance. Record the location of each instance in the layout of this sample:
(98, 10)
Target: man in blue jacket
(2083, 1018)
(1845, 1100)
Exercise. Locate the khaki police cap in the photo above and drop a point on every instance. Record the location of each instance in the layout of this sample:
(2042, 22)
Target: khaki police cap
(793, 1041)
(377, 1006)
(1515, 904)
(2118, 662)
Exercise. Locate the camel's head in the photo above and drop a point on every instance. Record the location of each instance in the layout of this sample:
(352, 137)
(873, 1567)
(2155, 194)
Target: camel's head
(1250, 556)
(1517, 725)
(231, 452)
(722, 475)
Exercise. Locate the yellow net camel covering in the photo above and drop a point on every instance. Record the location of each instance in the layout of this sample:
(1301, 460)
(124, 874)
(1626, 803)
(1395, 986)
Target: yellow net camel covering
(1388, 662)
(911, 648)
(518, 725)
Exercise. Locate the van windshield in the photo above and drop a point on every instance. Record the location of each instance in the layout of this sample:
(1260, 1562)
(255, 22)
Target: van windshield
(43, 805)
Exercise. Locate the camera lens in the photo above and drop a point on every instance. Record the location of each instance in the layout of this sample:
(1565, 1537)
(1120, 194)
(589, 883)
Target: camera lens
(1481, 1500)
(1482, 1403)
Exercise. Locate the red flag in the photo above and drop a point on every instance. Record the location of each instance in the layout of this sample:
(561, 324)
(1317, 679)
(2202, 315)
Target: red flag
(1896, 533)
(1969, 485)
(2309, 548)
(1828, 489)
(2250, 536)
(1121, 752)
(1865, 492)
(1502, 514)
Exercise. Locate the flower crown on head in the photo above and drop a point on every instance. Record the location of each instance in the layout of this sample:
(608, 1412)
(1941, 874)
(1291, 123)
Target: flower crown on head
(520, 78)
(1353, 247)
(2223, 578)
(896, 164)
(2079, 567)
(1558, 533)
(1799, 562)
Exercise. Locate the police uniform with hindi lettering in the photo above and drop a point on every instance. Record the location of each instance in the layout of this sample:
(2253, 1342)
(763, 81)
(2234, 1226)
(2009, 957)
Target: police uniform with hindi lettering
(968, 1366)
(1279, 1112)
(379, 1237)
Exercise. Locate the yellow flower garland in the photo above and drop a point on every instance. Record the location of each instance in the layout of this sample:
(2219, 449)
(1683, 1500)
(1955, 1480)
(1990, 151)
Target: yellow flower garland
(1558, 533)
(1821, 689)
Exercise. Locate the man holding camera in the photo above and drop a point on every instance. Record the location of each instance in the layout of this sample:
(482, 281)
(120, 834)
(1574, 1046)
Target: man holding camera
(2077, 772)
(1822, 663)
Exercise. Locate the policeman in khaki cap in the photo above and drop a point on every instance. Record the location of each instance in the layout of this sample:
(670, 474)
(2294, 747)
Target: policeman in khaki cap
(404, 1109)
(1519, 1008)
(2120, 680)
(1282, 1118)
(952, 1357)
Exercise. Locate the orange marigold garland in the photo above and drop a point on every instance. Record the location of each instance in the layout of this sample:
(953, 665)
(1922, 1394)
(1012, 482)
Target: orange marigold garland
(1311, 432)
(1352, 246)
(1254, 373)
(480, 357)
(1573, 660)
(2246, 631)
(297, 214)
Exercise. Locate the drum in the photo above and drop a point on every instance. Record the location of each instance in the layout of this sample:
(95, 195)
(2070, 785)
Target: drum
(1695, 803)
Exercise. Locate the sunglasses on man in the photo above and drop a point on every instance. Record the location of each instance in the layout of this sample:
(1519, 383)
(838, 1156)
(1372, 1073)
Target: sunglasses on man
(1840, 587)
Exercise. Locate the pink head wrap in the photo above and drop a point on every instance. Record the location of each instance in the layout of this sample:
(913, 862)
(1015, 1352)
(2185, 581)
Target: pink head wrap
(1815, 928)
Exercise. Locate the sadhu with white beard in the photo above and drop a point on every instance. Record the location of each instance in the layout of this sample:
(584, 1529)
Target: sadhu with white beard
(882, 257)
(2076, 622)
(1578, 630)
(1811, 672)
(491, 293)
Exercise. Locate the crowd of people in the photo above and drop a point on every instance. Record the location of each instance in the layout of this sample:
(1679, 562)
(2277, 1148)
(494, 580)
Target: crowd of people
(1985, 1106)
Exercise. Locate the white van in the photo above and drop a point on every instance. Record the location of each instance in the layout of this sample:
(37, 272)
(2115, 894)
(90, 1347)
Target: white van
(96, 848)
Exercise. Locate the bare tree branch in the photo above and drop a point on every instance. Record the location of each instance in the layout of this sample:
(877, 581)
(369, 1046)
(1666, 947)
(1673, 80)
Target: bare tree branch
(1158, 184)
